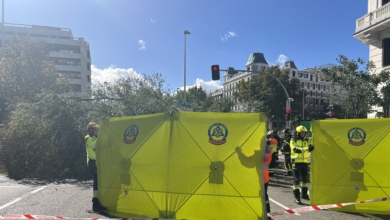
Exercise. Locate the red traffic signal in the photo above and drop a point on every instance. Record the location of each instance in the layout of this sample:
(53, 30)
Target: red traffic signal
(215, 72)
(288, 111)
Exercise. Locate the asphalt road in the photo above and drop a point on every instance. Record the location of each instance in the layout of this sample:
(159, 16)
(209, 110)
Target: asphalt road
(73, 199)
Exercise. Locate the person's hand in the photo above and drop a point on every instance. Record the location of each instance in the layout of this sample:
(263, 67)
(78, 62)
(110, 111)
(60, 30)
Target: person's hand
(238, 149)
(311, 148)
(298, 151)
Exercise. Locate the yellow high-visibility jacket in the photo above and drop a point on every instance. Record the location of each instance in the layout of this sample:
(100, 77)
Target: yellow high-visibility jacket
(90, 143)
(303, 145)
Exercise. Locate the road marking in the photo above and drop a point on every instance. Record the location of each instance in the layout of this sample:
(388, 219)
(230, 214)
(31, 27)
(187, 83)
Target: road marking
(10, 203)
(39, 189)
(281, 205)
(20, 198)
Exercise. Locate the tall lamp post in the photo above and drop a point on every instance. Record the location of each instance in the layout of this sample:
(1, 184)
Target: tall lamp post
(2, 24)
(185, 95)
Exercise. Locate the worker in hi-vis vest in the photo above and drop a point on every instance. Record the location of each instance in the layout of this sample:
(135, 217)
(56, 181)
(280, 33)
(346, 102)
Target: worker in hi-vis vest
(273, 143)
(90, 142)
(300, 148)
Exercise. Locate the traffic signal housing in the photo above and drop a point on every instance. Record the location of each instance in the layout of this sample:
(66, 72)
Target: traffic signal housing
(288, 115)
(215, 72)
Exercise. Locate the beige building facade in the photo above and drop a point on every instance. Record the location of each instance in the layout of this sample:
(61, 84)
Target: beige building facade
(314, 85)
(373, 29)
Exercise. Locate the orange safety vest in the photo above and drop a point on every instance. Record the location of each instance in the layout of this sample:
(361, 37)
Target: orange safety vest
(266, 162)
(273, 143)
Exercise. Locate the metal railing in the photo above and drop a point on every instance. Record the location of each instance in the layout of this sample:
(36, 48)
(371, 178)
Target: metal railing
(378, 13)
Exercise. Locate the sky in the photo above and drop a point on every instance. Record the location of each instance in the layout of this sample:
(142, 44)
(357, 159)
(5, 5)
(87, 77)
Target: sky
(130, 37)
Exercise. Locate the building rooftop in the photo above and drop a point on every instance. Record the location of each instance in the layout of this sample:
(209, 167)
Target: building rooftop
(256, 58)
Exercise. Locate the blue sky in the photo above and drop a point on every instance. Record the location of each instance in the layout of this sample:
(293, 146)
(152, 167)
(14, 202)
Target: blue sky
(145, 36)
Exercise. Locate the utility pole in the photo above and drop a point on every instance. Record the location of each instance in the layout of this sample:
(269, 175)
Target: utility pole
(2, 25)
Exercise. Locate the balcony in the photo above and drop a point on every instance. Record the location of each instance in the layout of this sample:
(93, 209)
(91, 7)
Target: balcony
(64, 54)
(370, 25)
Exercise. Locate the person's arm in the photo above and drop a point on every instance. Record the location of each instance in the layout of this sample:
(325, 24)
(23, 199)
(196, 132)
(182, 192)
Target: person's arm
(294, 147)
(246, 161)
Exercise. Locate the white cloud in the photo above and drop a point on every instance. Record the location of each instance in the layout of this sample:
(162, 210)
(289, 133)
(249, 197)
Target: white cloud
(111, 74)
(208, 86)
(280, 61)
(153, 21)
(142, 44)
(229, 35)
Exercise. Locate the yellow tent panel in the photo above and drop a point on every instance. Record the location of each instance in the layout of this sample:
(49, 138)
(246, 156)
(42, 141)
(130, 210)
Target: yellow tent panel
(350, 163)
(180, 165)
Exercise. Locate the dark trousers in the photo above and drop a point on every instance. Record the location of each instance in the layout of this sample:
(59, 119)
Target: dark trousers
(287, 162)
(274, 161)
(266, 198)
(300, 173)
(93, 170)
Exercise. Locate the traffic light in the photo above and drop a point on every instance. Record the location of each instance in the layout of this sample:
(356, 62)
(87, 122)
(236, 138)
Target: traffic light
(288, 114)
(215, 72)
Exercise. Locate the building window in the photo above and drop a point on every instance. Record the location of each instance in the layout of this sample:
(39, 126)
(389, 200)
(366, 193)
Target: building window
(293, 75)
(88, 78)
(300, 75)
(88, 54)
(254, 68)
(386, 52)
(248, 68)
(305, 75)
(88, 66)
(311, 77)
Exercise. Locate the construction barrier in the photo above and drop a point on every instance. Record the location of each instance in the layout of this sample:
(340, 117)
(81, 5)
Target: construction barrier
(181, 165)
(350, 162)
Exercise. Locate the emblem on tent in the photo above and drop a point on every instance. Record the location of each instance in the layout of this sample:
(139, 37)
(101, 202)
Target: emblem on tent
(130, 135)
(356, 136)
(217, 134)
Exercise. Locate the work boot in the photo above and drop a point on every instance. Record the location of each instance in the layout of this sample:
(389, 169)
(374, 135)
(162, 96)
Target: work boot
(96, 206)
(304, 193)
(297, 195)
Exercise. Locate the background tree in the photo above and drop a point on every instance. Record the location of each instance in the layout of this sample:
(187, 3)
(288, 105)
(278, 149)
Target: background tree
(267, 95)
(222, 105)
(24, 72)
(130, 96)
(45, 139)
(352, 86)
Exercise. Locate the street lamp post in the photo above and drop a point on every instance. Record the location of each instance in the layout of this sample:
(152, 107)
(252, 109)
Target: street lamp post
(185, 95)
(2, 24)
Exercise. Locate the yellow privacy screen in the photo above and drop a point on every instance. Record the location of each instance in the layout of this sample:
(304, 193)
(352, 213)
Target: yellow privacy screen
(181, 165)
(351, 163)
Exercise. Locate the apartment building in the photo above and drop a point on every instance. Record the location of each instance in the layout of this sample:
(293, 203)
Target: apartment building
(71, 55)
(373, 29)
(314, 85)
